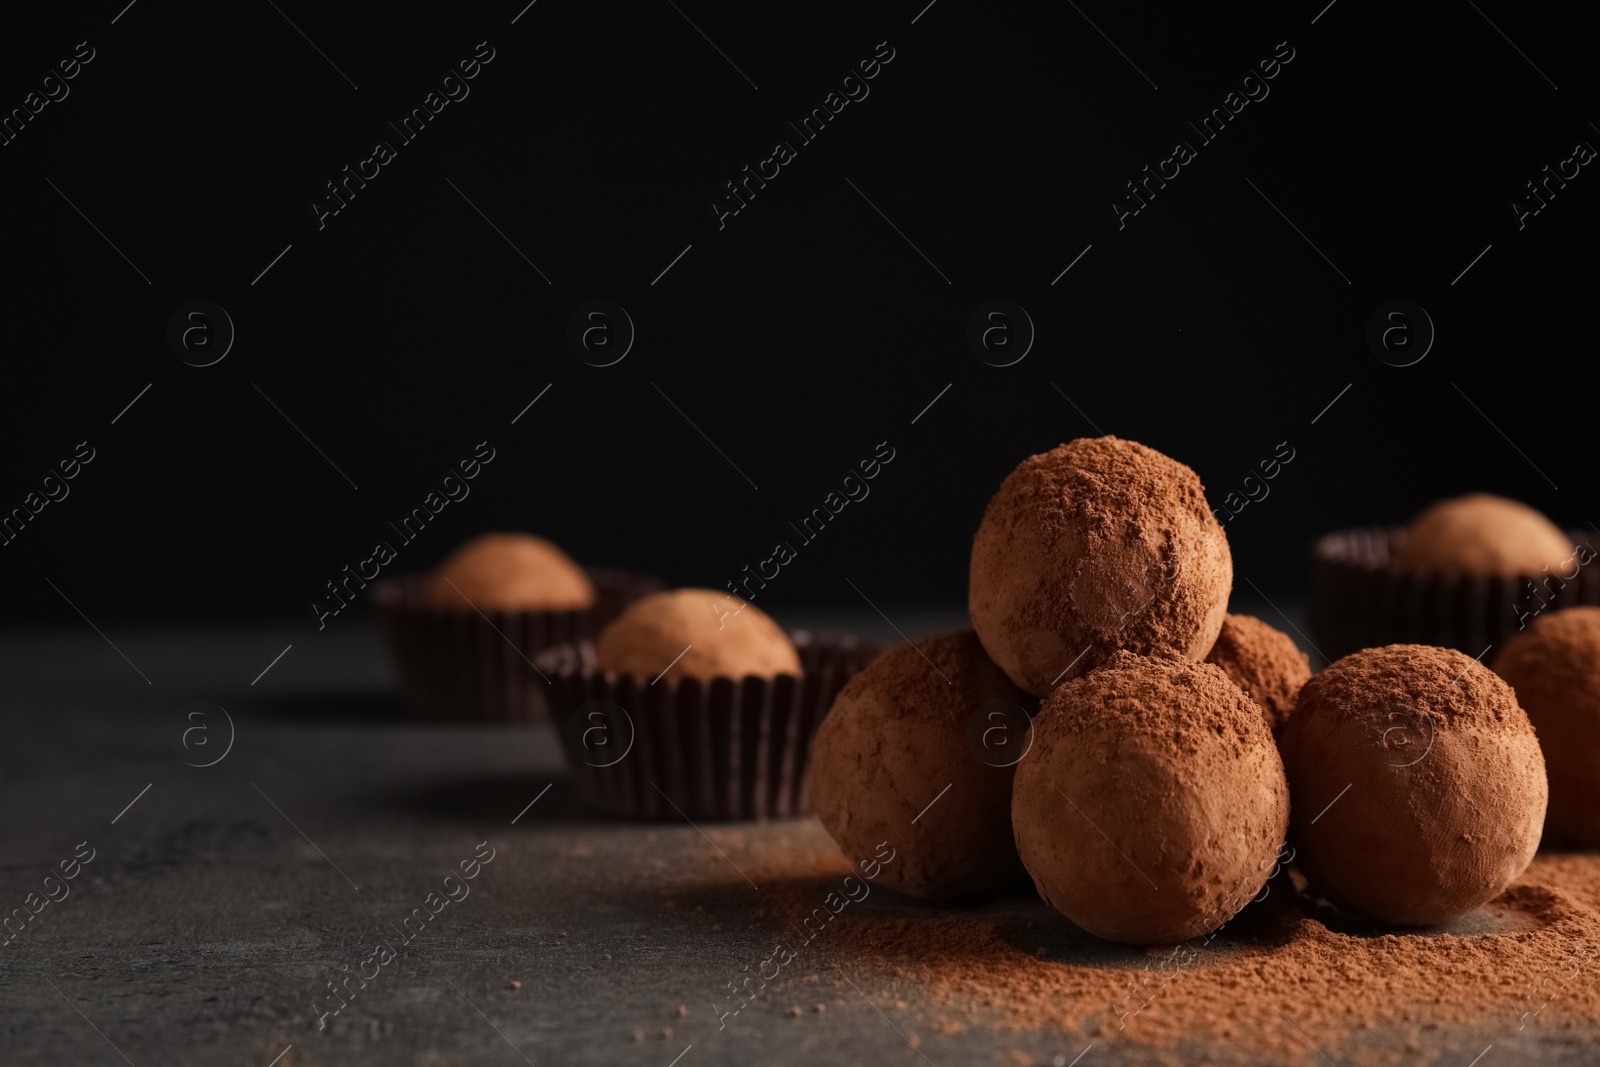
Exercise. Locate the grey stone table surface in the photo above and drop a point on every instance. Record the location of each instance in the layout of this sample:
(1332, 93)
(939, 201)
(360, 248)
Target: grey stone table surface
(220, 902)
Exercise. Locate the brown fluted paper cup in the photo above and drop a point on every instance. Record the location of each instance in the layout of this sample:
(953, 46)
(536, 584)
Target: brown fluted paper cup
(1360, 599)
(717, 749)
(470, 665)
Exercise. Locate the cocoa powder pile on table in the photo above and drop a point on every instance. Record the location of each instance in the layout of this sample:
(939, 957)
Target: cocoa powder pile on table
(1288, 981)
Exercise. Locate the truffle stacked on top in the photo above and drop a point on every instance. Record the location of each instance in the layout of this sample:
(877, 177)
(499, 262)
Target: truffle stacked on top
(1156, 800)
(1095, 546)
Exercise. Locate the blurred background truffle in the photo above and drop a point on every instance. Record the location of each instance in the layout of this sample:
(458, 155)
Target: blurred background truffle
(510, 572)
(694, 633)
(1482, 534)
(1094, 546)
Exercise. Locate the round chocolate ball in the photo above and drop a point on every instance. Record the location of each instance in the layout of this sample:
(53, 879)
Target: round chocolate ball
(1554, 667)
(1418, 785)
(694, 633)
(1482, 534)
(1264, 662)
(1154, 803)
(909, 756)
(509, 572)
(1094, 546)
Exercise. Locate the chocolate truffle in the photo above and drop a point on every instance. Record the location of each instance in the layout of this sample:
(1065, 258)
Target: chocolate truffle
(510, 572)
(1154, 803)
(1093, 546)
(1482, 534)
(1264, 662)
(694, 633)
(903, 758)
(1418, 786)
(1554, 666)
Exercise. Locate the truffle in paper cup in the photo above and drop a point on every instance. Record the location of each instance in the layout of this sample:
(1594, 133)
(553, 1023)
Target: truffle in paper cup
(1360, 598)
(467, 664)
(704, 749)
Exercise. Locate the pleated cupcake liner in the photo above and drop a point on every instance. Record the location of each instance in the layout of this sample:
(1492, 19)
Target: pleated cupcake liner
(465, 665)
(708, 750)
(1360, 599)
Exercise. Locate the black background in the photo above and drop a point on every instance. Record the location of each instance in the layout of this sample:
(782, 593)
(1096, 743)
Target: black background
(804, 332)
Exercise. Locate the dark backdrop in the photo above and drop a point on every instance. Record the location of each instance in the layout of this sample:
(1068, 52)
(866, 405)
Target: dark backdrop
(820, 321)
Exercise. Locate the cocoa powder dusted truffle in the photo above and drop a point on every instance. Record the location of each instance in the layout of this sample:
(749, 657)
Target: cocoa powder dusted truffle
(1482, 534)
(903, 758)
(1554, 667)
(510, 572)
(1418, 786)
(1153, 804)
(1264, 662)
(1096, 545)
(694, 633)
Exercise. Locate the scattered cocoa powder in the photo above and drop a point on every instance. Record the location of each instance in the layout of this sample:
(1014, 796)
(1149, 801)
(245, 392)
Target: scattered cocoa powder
(1295, 976)
(1287, 977)
(1094, 546)
(1285, 974)
(1264, 662)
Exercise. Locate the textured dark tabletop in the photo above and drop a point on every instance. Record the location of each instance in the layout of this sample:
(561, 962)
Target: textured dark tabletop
(220, 901)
